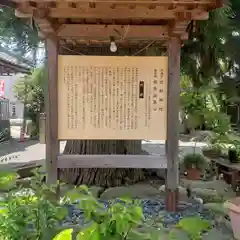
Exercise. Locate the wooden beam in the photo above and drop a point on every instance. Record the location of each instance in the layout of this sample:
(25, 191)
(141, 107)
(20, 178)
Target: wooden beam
(179, 30)
(159, 2)
(112, 161)
(220, 3)
(124, 32)
(47, 26)
(7, 3)
(104, 11)
(201, 16)
(52, 143)
(14, 67)
(174, 48)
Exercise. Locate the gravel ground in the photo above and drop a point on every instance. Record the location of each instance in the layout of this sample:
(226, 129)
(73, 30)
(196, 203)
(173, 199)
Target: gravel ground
(156, 209)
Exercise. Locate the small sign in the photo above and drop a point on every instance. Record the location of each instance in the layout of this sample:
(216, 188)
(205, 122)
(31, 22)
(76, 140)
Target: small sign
(2, 88)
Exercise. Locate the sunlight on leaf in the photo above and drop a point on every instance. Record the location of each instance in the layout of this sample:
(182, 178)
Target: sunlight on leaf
(64, 235)
(194, 226)
(3, 211)
(90, 233)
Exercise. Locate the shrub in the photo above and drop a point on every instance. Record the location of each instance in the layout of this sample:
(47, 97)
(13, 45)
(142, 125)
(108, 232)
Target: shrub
(35, 213)
(7, 180)
(194, 160)
(194, 226)
(29, 213)
(5, 135)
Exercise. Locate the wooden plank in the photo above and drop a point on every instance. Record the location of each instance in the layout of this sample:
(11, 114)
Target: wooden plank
(227, 164)
(173, 97)
(14, 68)
(179, 30)
(52, 144)
(7, 3)
(162, 2)
(105, 11)
(101, 31)
(112, 161)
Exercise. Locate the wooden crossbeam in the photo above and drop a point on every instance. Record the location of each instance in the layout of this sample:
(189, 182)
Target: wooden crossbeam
(46, 26)
(104, 11)
(7, 3)
(14, 68)
(161, 2)
(112, 161)
(119, 32)
(179, 30)
(109, 11)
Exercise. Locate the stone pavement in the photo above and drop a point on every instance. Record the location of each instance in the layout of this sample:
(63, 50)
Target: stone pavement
(32, 151)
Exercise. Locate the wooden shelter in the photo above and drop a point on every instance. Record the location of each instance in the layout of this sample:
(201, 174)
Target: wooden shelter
(8, 68)
(130, 23)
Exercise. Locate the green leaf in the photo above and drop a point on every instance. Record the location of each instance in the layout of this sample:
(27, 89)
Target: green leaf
(193, 226)
(89, 233)
(64, 235)
(61, 213)
(3, 211)
(134, 235)
(73, 195)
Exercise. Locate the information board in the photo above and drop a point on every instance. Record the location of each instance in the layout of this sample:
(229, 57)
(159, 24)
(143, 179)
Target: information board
(102, 97)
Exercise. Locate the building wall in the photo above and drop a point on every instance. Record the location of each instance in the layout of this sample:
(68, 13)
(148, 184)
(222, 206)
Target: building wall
(9, 82)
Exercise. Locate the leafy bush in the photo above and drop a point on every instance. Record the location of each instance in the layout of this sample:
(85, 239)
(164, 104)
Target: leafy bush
(122, 219)
(7, 180)
(35, 213)
(29, 213)
(30, 90)
(194, 226)
(4, 134)
(213, 151)
(194, 160)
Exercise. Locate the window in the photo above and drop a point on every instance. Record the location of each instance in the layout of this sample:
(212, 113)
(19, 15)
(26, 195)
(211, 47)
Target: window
(13, 110)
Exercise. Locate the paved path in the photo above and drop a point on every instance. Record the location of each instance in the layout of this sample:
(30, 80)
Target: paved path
(28, 152)
(32, 151)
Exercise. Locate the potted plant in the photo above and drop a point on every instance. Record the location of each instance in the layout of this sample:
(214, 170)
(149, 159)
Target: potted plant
(217, 143)
(233, 207)
(194, 165)
(233, 151)
(233, 155)
(212, 151)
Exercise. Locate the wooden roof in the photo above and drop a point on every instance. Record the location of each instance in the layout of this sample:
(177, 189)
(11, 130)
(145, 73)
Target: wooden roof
(8, 68)
(128, 21)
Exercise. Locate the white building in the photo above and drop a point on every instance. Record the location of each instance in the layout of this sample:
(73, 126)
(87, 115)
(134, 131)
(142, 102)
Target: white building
(10, 73)
(15, 106)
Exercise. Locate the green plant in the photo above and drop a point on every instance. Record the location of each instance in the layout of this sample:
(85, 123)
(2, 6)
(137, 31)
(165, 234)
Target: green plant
(30, 213)
(5, 134)
(212, 151)
(233, 154)
(122, 219)
(35, 214)
(194, 160)
(194, 226)
(7, 180)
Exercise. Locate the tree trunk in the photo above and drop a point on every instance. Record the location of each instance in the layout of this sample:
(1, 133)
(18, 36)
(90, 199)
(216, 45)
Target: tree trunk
(105, 177)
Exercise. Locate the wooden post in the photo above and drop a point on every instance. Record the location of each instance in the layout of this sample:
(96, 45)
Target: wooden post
(52, 143)
(172, 182)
